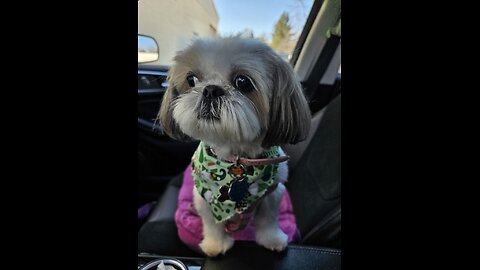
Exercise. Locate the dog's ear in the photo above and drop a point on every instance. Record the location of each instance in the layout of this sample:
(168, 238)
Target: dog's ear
(289, 117)
(165, 116)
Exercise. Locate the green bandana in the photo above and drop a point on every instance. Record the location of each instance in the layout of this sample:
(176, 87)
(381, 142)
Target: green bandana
(231, 188)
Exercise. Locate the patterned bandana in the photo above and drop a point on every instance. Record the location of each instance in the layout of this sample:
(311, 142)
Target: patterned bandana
(231, 188)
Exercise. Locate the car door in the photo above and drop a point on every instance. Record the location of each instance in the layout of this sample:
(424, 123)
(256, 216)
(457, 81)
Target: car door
(159, 157)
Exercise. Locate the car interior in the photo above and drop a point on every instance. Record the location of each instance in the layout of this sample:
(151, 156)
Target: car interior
(314, 182)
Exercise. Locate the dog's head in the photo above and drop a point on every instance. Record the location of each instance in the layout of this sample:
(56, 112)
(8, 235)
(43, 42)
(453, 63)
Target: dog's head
(234, 91)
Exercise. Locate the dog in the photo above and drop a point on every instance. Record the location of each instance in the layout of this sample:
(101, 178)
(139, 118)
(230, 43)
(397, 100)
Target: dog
(242, 101)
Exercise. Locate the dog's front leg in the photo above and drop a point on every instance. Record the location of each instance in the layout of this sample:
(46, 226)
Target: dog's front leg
(267, 231)
(215, 239)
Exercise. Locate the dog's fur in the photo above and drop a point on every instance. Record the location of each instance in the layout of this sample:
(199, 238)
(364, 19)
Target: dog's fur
(242, 123)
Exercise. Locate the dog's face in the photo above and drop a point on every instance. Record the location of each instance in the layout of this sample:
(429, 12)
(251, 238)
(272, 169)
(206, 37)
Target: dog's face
(233, 91)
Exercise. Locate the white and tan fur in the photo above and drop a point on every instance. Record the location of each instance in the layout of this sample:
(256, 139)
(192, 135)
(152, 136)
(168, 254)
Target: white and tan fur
(245, 123)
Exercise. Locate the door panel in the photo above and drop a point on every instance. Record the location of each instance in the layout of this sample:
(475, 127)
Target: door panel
(159, 157)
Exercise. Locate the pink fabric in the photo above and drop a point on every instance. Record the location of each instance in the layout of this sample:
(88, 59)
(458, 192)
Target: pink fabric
(190, 228)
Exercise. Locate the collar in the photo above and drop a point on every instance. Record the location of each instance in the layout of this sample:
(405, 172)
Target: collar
(269, 158)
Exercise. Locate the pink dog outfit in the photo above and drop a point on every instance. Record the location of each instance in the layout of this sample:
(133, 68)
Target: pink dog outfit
(232, 191)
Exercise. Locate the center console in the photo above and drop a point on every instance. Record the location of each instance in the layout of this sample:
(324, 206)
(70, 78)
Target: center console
(247, 255)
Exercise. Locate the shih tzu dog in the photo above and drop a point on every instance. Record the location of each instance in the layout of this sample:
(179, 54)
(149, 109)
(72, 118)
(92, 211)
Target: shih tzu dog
(242, 101)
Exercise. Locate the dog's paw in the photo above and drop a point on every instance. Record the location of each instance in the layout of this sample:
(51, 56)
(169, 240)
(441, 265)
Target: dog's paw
(213, 247)
(272, 239)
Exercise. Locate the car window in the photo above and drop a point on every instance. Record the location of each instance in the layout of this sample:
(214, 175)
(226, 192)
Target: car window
(174, 23)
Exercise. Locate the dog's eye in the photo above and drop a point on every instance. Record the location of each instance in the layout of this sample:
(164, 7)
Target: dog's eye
(192, 80)
(243, 83)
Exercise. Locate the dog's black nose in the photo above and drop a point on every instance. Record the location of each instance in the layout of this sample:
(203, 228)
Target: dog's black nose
(213, 91)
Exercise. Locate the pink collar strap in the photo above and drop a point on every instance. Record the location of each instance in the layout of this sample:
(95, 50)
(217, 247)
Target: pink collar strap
(254, 161)
(260, 161)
